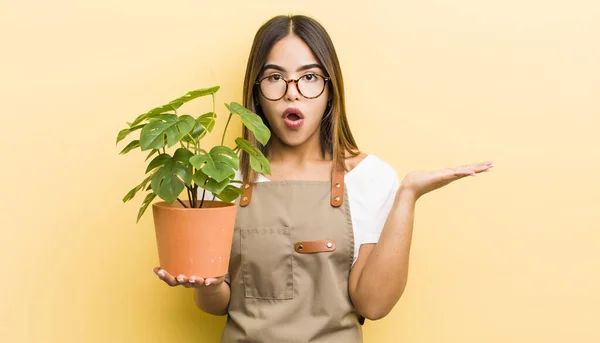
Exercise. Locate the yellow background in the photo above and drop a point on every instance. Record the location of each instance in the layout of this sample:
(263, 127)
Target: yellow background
(508, 256)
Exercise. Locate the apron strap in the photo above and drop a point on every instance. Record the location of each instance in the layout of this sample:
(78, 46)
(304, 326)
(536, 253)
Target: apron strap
(247, 195)
(337, 190)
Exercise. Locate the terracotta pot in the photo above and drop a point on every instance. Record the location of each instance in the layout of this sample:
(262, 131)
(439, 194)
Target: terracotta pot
(194, 241)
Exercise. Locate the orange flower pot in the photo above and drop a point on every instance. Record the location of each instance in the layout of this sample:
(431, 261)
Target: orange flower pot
(194, 241)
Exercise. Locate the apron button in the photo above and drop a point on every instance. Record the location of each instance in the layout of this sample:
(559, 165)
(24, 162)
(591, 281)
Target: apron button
(337, 185)
(329, 245)
(336, 198)
(246, 186)
(245, 198)
(300, 247)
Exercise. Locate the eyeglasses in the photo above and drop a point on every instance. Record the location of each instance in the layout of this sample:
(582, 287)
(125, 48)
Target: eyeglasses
(274, 86)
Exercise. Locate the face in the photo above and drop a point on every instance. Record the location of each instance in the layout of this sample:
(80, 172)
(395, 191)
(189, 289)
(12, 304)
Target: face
(291, 58)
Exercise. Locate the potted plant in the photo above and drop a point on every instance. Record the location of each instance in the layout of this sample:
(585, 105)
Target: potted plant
(193, 236)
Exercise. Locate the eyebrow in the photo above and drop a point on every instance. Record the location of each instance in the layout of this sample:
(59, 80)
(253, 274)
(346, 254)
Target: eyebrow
(282, 69)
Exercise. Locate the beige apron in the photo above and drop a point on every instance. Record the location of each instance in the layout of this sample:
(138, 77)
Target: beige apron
(291, 256)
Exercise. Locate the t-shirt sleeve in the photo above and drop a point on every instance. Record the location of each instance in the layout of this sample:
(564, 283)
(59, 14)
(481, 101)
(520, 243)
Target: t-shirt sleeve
(379, 194)
(381, 211)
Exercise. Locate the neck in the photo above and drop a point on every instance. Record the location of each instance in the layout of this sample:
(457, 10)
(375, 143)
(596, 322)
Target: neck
(309, 151)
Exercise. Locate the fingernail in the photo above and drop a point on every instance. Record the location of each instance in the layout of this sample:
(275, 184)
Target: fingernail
(161, 273)
(180, 279)
(192, 279)
(207, 283)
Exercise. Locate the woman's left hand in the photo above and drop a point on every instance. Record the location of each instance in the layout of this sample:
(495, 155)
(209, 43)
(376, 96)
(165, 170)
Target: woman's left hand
(418, 183)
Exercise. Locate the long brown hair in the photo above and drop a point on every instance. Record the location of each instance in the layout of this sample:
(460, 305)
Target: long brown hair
(335, 136)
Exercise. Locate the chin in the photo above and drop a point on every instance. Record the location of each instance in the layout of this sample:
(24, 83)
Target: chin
(293, 138)
(293, 141)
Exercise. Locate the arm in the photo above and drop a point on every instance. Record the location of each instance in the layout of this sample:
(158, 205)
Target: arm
(213, 300)
(387, 260)
(379, 275)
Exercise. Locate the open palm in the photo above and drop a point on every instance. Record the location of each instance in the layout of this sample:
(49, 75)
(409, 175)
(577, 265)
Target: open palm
(421, 182)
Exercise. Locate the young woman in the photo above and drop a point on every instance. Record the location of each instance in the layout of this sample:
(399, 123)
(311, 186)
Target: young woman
(323, 242)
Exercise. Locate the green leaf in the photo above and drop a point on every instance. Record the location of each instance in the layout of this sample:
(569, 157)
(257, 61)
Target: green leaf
(170, 179)
(158, 161)
(132, 145)
(197, 132)
(252, 121)
(167, 125)
(154, 151)
(223, 154)
(175, 104)
(204, 123)
(219, 163)
(211, 185)
(123, 133)
(258, 161)
(183, 155)
(195, 94)
(136, 189)
(207, 120)
(230, 193)
(155, 112)
(138, 120)
(198, 161)
(147, 200)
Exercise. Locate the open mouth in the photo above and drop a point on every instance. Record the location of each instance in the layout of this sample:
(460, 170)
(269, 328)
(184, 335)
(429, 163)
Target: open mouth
(293, 117)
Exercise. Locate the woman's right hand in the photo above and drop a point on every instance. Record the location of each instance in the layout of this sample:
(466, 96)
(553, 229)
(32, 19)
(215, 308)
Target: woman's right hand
(187, 282)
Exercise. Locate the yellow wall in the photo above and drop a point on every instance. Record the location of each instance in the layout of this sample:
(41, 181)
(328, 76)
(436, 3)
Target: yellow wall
(508, 256)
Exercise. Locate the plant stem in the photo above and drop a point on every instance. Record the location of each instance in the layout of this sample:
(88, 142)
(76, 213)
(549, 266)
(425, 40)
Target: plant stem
(192, 204)
(211, 202)
(213, 99)
(226, 125)
(202, 201)
(181, 202)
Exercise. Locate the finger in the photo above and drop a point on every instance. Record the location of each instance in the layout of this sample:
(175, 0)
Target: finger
(211, 281)
(196, 281)
(191, 282)
(460, 172)
(182, 279)
(483, 168)
(472, 169)
(166, 277)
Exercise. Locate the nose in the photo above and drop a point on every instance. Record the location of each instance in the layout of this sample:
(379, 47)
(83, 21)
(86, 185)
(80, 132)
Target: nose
(292, 92)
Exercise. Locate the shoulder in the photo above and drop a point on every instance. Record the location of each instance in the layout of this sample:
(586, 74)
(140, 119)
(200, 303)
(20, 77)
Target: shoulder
(369, 167)
(353, 161)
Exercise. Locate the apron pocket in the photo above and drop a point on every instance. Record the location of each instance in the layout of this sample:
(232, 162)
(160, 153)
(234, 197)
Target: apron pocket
(267, 255)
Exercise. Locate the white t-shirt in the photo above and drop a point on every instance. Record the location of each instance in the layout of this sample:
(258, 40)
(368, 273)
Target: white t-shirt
(371, 187)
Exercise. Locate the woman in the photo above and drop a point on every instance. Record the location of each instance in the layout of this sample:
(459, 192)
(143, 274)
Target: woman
(323, 242)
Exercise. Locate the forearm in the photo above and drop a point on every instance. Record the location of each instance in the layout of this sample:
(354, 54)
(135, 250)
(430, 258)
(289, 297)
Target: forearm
(384, 275)
(213, 300)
